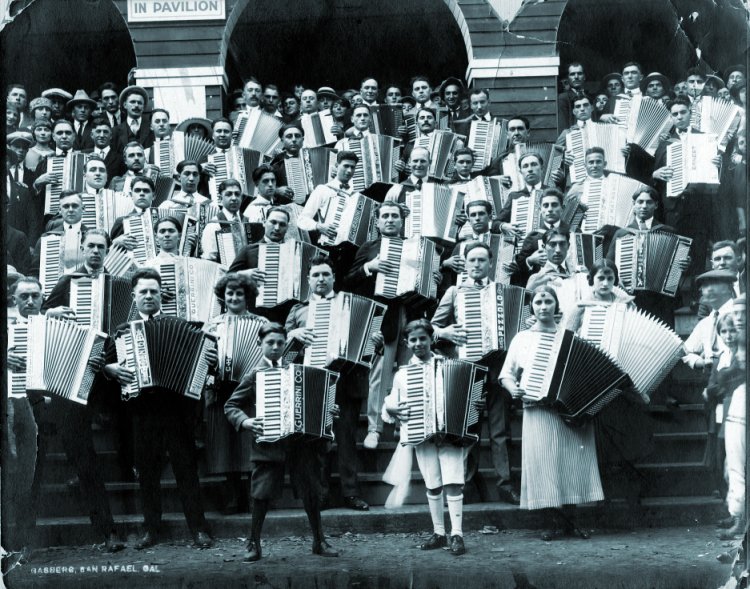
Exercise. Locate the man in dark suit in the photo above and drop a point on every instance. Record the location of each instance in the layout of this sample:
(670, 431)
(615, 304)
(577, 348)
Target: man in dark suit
(25, 206)
(17, 250)
(80, 107)
(292, 138)
(480, 111)
(270, 458)
(350, 390)
(68, 225)
(134, 157)
(101, 136)
(135, 126)
(162, 421)
(530, 164)
(74, 420)
(109, 96)
(576, 80)
(452, 92)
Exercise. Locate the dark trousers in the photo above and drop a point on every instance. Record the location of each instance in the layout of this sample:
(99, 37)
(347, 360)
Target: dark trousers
(74, 426)
(156, 435)
(303, 459)
(498, 424)
(345, 430)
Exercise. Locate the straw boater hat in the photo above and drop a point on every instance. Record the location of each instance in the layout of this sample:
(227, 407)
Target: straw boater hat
(656, 76)
(716, 276)
(327, 91)
(17, 136)
(134, 90)
(57, 92)
(80, 97)
(716, 79)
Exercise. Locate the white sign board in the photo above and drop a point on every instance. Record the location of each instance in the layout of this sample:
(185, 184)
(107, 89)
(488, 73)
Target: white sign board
(175, 10)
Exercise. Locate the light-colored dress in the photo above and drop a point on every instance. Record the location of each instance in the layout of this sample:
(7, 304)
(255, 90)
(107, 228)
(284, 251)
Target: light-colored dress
(558, 461)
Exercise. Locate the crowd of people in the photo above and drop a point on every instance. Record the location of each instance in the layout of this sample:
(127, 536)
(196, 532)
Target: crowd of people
(120, 131)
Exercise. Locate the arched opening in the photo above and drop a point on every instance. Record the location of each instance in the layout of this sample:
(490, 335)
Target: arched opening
(72, 44)
(337, 42)
(662, 36)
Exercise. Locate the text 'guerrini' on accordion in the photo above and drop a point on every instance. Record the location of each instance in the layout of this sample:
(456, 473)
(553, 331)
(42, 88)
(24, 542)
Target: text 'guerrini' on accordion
(432, 213)
(643, 119)
(503, 252)
(491, 317)
(441, 145)
(342, 328)
(59, 253)
(70, 171)
(317, 128)
(611, 138)
(442, 397)
(58, 357)
(378, 155)
(233, 236)
(385, 119)
(525, 212)
(609, 201)
(690, 161)
(717, 116)
(351, 215)
(295, 402)
(165, 352)
(644, 347)
(237, 163)
(552, 156)
(311, 167)
(101, 303)
(576, 377)
(651, 260)
(415, 263)
(237, 346)
(286, 267)
(187, 286)
(257, 130)
(487, 139)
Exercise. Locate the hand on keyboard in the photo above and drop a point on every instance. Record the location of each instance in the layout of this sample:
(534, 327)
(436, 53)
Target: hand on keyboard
(254, 424)
(303, 334)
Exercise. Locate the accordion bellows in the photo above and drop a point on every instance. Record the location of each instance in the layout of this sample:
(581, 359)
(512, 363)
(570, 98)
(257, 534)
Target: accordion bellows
(415, 260)
(238, 349)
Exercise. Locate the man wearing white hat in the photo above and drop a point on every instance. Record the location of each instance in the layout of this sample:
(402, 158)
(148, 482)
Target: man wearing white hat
(81, 106)
(59, 98)
(135, 126)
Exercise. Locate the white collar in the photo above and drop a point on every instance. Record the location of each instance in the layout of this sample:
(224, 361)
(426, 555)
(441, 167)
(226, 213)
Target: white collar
(317, 297)
(74, 227)
(90, 190)
(413, 179)
(145, 317)
(266, 240)
(415, 360)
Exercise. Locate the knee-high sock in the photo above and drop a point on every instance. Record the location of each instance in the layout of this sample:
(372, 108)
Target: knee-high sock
(260, 508)
(436, 513)
(312, 508)
(456, 511)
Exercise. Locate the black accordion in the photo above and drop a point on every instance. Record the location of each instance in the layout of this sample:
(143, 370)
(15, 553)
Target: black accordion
(295, 402)
(650, 260)
(103, 302)
(58, 354)
(576, 377)
(442, 399)
(165, 352)
(237, 346)
(586, 249)
(386, 119)
(416, 261)
(491, 317)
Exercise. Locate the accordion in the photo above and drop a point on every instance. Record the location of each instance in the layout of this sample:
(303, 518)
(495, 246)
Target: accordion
(101, 210)
(576, 377)
(487, 139)
(101, 303)
(611, 138)
(189, 147)
(286, 266)
(691, 164)
(313, 166)
(70, 169)
(503, 252)
(343, 327)
(441, 145)
(293, 232)
(491, 317)
(166, 352)
(385, 119)
(416, 260)
(650, 260)
(141, 228)
(58, 355)
(483, 188)
(432, 212)
(643, 119)
(586, 249)
(378, 155)
(552, 155)
(232, 237)
(237, 346)
(644, 347)
(257, 130)
(187, 286)
(295, 401)
(119, 262)
(525, 211)
(317, 128)
(18, 340)
(164, 156)
(60, 253)
(716, 116)
(441, 397)
(609, 200)
(352, 216)
(237, 163)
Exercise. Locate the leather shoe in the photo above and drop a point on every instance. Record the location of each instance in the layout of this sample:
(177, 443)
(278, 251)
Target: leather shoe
(457, 546)
(357, 503)
(253, 552)
(509, 495)
(113, 543)
(324, 549)
(202, 540)
(554, 534)
(146, 541)
(436, 541)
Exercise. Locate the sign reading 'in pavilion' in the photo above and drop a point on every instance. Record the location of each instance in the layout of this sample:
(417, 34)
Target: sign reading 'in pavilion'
(165, 10)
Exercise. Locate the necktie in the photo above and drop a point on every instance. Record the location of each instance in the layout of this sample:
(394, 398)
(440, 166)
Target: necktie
(150, 318)
(14, 172)
(419, 183)
(134, 126)
(642, 226)
(344, 186)
(630, 93)
(560, 269)
(79, 130)
(478, 283)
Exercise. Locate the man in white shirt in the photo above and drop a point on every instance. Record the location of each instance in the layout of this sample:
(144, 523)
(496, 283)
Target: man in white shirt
(308, 102)
(109, 97)
(252, 92)
(419, 164)
(421, 90)
(369, 91)
(264, 179)
(230, 194)
(188, 195)
(556, 244)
